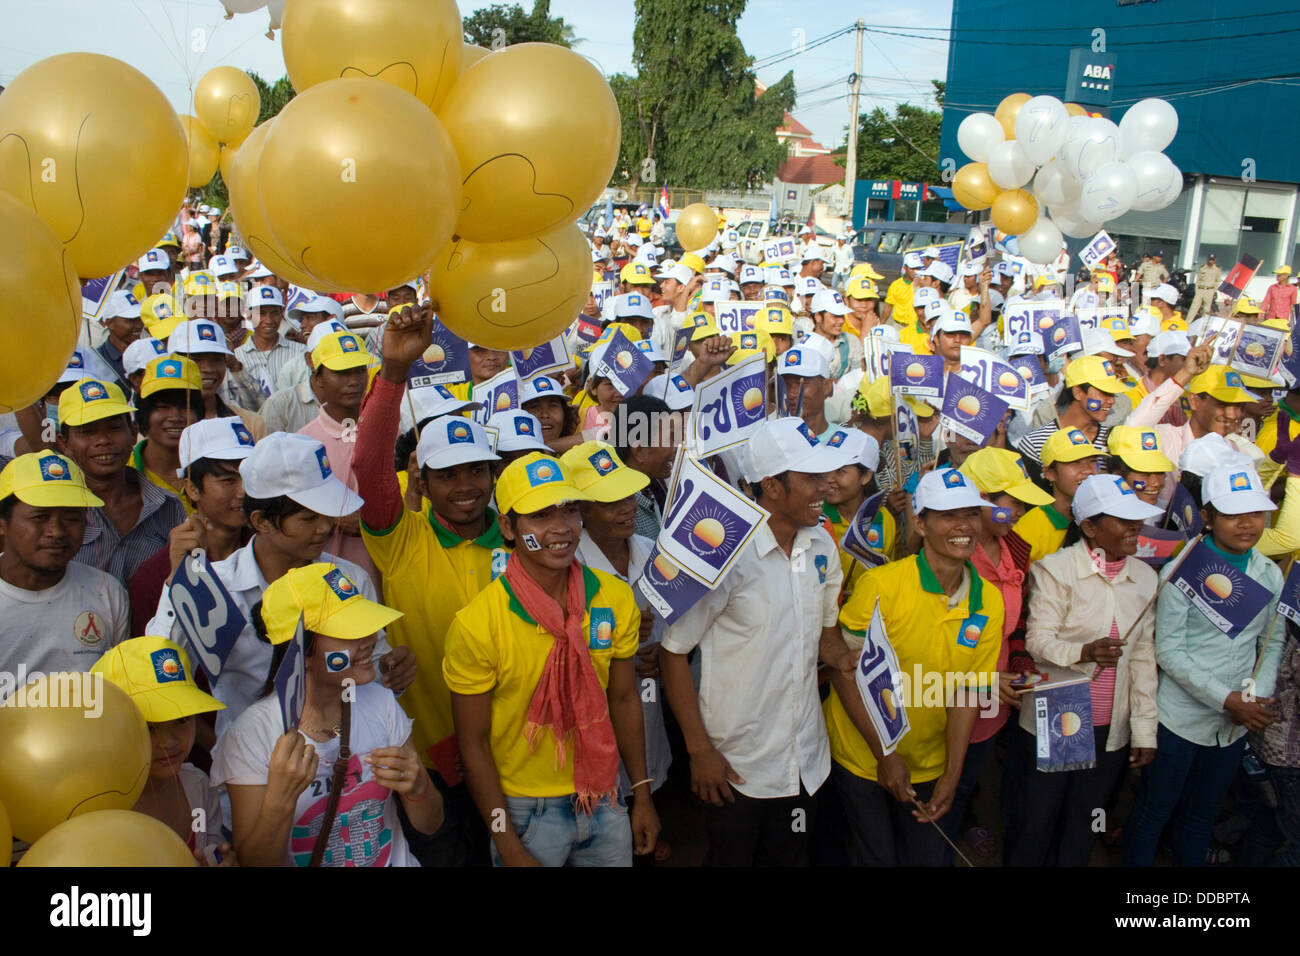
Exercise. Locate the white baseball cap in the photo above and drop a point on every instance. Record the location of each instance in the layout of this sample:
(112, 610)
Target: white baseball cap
(1144, 322)
(1173, 342)
(828, 300)
(1110, 495)
(1203, 455)
(453, 440)
(887, 332)
(673, 389)
(647, 255)
(316, 303)
(237, 253)
(293, 465)
(1235, 489)
(222, 266)
(154, 260)
(1165, 293)
(930, 252)
(223, 438)
(680, 272)
(1028, 342)
(1004, 269)
(787, 444)
(650, 350)
(140, 353)
(805, 362)
(715, 290)
(750, 274)
(936, 308)
(946, 489)
(939, 270)
(432, 401)
(518, 430)
(121, 303)
(633, 239)
(952, 321)
(808, 286)
(632, 305)
(198, 337)
(913, 260)
(540, 386)
(863, 448)
(923, 297)
(970, 268)
(324, 330)
(1097, 341)
(725, 262)
(260, 271)
(813, 254)
(263, 296)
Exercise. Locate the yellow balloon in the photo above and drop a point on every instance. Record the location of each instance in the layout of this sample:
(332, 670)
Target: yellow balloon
(70, 744)
(1014, 211)
(110, 838)
(973, 187)
(227, 158)
(696, 226)
(537, 130)
(203, 150)
(96, 150)
(227, 103)
(414, 46)
(512, 295)
(323, 153)
(1007, 110)
(6, 831)
(1074, 109)
(42, 306)
(470, 54)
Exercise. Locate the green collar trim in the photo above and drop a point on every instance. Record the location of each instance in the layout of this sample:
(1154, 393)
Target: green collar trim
(491, 538)
(833, 513)
(590, 584)
(930, 583)
(1059, 521)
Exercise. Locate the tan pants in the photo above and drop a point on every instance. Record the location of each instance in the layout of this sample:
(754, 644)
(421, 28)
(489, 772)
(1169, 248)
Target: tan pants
(1203, 297)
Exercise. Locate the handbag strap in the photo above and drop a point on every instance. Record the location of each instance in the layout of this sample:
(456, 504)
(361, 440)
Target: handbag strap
(336, 783)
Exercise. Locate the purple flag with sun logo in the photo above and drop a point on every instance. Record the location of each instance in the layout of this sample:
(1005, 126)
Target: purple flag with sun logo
(670, 591)
(620, 361)
(500, 393)
(1063, 728)
(552, 356)
(970, 411)
(880, 683)
(728, 407)
(862, 538)
(1228, 599)
(919, 375)
(995, 376)
(707, 523)
(444, 362)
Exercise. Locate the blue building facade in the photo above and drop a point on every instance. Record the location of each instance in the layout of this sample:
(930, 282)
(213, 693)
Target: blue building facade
(1231, 72)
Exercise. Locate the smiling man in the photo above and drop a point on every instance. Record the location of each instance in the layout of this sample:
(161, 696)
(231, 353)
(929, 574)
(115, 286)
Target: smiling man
(170, 399)
(758, 757)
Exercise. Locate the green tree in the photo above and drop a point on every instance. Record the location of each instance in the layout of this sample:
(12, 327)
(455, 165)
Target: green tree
(691, 107)
(904, 145)
(275, 96)
(516, 26)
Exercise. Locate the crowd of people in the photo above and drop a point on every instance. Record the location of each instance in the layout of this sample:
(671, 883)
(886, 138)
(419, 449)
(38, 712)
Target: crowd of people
(484, 681)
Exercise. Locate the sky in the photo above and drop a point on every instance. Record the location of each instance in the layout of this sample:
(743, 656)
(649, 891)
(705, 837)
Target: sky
(175, 41)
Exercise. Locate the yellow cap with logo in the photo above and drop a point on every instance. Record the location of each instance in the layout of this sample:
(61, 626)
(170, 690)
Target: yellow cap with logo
(692, 262)
(90, 400)
(1118, 328)
(46, 479)
(999, 471)
(161, 315)
(1095, 371)
(200, 283)
(598, 472)
(1067, 444)
(533, 483)
(864, 270)
(629, 330)
(1217, 381)
(156, 674)
(751, 343)
(636, 273)
(1139, 449)
(170, 372)
(328, 600)
(775, 320)
(339, 352)
(860, 287)
(1246, 306)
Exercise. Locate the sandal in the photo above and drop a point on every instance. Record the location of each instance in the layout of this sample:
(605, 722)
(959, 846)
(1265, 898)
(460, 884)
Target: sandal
(981, 841)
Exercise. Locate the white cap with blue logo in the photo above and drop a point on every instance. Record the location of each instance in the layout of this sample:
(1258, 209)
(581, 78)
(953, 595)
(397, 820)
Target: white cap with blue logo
(779, 445)
(453, 440)
(295, 466)
(223, 438)
(1235, 490)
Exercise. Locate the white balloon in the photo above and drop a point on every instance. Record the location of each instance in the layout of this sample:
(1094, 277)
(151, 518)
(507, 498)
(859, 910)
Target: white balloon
(1042, 242)
(1093, 143)
(1009, 167)
(1172, 193)
(242, 6)
(1072, 224)
(1148, 125)
(978, 134)
(1108, 192)
(1040, 128)
(1155, 174)
(1054, 185)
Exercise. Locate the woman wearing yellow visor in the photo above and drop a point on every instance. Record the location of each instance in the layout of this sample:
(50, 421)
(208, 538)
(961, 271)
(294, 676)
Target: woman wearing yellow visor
(156, 674)
(285, 783)
(1138, 456)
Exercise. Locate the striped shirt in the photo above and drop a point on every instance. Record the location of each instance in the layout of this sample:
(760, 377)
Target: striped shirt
(1031, 446)
(120, 555)
(265, 367)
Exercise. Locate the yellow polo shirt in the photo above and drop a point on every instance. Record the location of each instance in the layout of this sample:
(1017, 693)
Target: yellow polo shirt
(493, 645)
(1043, 529)
(930, 639)
(1175, 323)
(137, 462)
(900, 297)
(429, 575)
(916, 337)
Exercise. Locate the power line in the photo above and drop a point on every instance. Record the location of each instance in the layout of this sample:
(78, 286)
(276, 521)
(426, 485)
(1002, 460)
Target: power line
(1090, 26)
(1013, 43)
(772, 59)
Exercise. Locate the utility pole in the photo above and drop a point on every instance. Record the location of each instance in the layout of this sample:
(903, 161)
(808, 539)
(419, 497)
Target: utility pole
(851, 160)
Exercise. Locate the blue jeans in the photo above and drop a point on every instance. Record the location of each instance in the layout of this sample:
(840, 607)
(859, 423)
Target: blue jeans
(1186, 782)
(1274, 835)
(556, 833)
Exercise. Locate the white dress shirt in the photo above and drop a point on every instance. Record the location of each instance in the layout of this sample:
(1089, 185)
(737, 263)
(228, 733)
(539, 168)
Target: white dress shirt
(758, 633)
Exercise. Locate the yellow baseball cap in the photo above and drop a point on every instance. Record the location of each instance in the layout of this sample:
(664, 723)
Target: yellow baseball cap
(996, 471)
(1282, 270)
(775, 320)
(1275, 323)
(200, 283)
(599, 474)
(1246, 306)
(1043, 281)
(1118, 328)
(860, 287)
(751, 343)
(864, 270)
(1095, 371)
(156, 674)
(230, 290)
(630, 331)
(161, 315)
(876, 394)
(46, 479)
(636, 273)
(170, 372)
(922, 409)
(328, 600)
(169, 238)
(692, 262)
(1105, 282)
(90, 400)
(340, 351)
(1067, 444)
(706, 329)
(1217, 381)
(1139, 448)
(535, 482)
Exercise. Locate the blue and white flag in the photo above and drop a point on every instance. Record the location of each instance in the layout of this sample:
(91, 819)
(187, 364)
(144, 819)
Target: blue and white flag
(1063, 728)
(880, 683)
(602, 291)
(918, 375)
(620, 361)
(863, 538)
(95, 293)
(729, 406)
(1098, 248)
(707, 523)
(971, 411)
(976, 250)
(1032, 372)
(500, 393)
(552, 356)
(1062, 336)
(290, 680)
(736, 316)
(1288, 602)
(1227, 598)
(670, 591)
(995, 376)
(780, 251)
(445, 361)
(1184, 513)
(876, 353)
(206, 613)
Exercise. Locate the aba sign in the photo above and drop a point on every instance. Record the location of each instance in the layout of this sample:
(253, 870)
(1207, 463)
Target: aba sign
(1091, 79)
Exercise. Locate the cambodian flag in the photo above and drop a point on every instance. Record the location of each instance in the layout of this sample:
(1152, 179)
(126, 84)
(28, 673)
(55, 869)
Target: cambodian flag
(664, 207)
